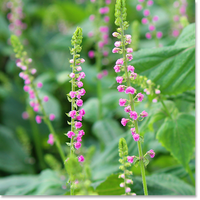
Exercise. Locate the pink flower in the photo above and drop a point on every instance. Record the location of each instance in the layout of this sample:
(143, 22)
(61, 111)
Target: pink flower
(91, 17)
(27, 81)
(151, 153)
(36, 108)
(38, 119)
(79, 68)
(82, 60)
(104, 29)
(129, 50)
(32, 103)
(157, 91)
(79, 84)
(136, 137)
(143, 114)
(182, 10)
(72, 75)
(133, 114)
(91, 54)
(176, 18)
(46, 98)
(120, 61)
(52, 117)
(72, 113)
(81, 158)
(25, 115)
(106, 19)
(140, 97)
(121, 184)
(148, 35)
(82, 112)
(127, 109)
(124, 121)
(150, 3)
(115, 34)
(99, 75)
(121, 88)
(144, 20)
(122, 102)
(33, 71)
(151, 27)
(117, 68)
(78, 138)
(81, 133)
(117, 43)
(72, 94)
(130, 68)
(130, 90)
(90, 34)
(100, 44)
(175, 33)
(146, 12)
(103, 10)
(82, 92)
(26, 88)
(130, 159)
(128, 189)
(133, 75)
(51, 139)
(133, 131)
(159, 34)
(108, 1)
(139, 7)
(79, 102)
(129, 57)
(79, 118)
(77, 145)
(155, 18)
(78, 125)
(82, 74)
(39, 85)
(154, 100)
(105, 72)
(119, 79)
(70, 134)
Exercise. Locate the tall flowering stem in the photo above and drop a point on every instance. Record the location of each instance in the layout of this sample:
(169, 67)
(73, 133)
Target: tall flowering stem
(31, 88)
(122, 65)
(74, 96)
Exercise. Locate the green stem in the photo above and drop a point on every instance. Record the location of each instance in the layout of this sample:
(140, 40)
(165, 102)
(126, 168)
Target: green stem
(165, 107)
(37, 141)
(191, 175)
(48, 123)
(133, 109)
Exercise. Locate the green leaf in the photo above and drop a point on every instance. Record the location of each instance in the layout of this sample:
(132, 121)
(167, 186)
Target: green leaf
(107, 130)
(172, 67)
(13, 158)
(110, 186)
(163, 184)
(47, 182)
(91, 110)
(178, 136)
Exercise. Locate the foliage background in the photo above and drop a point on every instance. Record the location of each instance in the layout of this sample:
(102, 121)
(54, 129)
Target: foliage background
(50, 25)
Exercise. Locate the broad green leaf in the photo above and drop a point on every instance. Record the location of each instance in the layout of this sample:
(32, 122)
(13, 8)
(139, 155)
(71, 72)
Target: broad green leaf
(178, 136)
(172, 67)
(47, 182)
(101, 163)
(13, 158)
(107, 130)
(91, 110)
(110, 186)
(163, 184)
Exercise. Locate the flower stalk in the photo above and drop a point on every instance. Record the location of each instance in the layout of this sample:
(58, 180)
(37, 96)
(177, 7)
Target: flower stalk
(122, 65)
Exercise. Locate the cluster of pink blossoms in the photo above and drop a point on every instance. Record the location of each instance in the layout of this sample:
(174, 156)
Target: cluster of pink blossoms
(103, 34)
(127, 89)
(15, 17)
(148, 19)
(77, 115)
(180, 11)
(30, 88)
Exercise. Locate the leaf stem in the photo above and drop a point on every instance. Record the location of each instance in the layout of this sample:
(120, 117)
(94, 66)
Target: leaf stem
(165, 107)
(191, 175)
